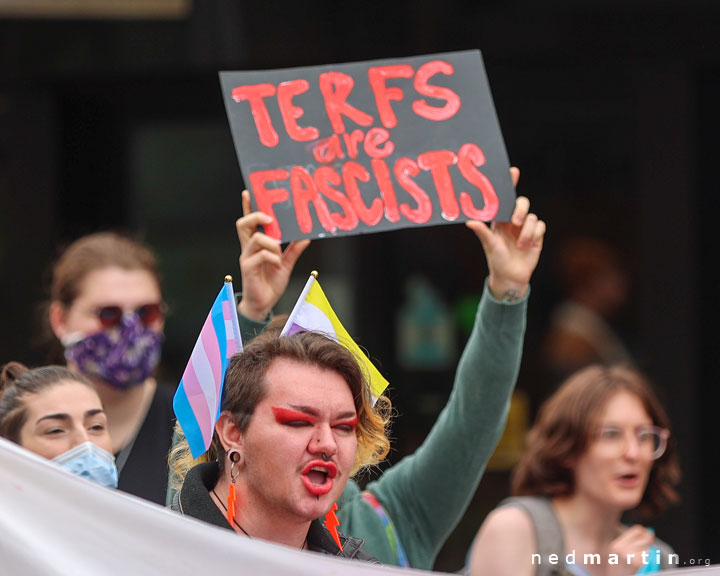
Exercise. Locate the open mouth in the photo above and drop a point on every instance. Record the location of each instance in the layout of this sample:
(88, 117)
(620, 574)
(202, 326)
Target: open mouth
(629, 479)
(318, 477)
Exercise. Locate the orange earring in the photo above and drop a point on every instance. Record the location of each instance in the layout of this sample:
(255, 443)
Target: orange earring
(234, 458)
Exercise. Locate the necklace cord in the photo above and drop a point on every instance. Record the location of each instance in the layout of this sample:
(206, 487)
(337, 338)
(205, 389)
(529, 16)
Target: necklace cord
(234, 521)
(238, 524)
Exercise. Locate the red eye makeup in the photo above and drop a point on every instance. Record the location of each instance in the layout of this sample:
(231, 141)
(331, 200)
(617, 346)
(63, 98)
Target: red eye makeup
(351, 423)
(285, 415)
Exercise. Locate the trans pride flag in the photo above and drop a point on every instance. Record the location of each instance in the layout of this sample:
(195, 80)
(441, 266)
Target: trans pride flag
(313, 313)
(199, 396)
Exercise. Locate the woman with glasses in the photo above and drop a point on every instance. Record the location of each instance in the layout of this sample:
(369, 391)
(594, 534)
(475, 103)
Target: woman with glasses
(599, 448)
(107, 311)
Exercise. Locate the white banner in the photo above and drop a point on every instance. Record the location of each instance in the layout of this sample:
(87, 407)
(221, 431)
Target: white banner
(54, 523)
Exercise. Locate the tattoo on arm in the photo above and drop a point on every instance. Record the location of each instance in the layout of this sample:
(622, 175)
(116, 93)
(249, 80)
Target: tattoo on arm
(511, 296)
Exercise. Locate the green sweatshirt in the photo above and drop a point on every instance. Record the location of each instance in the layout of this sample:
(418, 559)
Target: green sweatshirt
(426, 494)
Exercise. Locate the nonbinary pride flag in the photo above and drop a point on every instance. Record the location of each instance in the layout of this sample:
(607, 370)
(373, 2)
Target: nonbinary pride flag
(313, 313)
(199, 396)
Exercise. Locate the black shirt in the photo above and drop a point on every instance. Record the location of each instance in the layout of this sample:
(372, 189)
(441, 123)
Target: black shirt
(145, 472)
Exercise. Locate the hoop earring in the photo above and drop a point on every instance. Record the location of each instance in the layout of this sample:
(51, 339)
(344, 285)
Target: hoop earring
(234, 457)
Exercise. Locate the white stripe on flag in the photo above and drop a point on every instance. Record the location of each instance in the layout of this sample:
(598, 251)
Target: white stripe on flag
(231, 346)
(313, 319)
(298, 304)
(204, 375)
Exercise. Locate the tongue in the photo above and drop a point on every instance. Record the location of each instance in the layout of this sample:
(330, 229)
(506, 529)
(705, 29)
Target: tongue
(316, 477)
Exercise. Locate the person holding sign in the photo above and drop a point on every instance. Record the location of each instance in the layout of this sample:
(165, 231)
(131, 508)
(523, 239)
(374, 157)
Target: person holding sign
(599, 448)
(406, 515)
(297, 421)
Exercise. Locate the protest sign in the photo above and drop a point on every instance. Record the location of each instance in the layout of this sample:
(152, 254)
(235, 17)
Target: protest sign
(370, 146)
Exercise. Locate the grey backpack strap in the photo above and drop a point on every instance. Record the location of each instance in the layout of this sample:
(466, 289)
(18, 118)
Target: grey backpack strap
(548, 532)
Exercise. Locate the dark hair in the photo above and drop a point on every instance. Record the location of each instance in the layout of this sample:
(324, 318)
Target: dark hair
(563, 429)
(17, 382)
(245, 387)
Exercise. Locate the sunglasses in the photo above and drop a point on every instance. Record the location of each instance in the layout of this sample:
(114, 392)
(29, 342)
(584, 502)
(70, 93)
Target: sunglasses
(110, 316)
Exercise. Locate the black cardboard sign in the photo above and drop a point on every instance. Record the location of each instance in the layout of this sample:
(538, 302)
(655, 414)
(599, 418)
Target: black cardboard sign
(370, 146)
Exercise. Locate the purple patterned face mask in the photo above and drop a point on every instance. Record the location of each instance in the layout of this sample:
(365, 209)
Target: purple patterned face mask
(123, 356)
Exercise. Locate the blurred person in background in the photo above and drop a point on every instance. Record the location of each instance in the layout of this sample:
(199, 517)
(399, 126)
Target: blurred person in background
(595, 287)
(107, 311)
(599, 449)
(57, 414)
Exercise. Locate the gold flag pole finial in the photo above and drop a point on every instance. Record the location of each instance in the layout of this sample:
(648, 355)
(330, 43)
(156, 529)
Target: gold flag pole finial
(314, 274)
(228, 278)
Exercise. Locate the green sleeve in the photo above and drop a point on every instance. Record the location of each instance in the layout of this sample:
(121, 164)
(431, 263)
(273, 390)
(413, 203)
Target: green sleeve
(250, 328)
(426, 493)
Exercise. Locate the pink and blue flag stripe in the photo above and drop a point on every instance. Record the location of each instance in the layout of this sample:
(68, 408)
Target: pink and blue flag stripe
(198, 399)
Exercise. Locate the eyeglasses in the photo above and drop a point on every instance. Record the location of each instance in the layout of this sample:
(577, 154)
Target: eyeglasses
(111, 316)
(651, 440)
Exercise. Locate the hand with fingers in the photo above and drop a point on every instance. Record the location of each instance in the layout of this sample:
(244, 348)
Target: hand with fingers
(512, 249)
(265, 268)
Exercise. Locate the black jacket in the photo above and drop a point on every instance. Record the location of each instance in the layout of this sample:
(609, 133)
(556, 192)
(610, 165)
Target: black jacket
(193, 499)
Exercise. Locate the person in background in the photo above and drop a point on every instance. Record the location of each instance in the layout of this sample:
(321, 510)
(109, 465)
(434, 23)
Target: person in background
(107, 310)
(599, 448)
(407, 514)
(595, 286)
(57, 414)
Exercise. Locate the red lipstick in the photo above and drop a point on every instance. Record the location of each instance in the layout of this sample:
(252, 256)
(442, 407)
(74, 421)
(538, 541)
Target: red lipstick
(318, 477)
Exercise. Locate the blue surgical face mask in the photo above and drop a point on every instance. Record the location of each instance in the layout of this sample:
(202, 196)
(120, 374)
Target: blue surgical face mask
(90, 461)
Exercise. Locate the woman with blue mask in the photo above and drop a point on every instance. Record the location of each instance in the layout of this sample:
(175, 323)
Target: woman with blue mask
(107, 311)
(58, 415)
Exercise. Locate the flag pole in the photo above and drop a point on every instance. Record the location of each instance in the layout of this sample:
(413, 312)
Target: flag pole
(234, 321)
